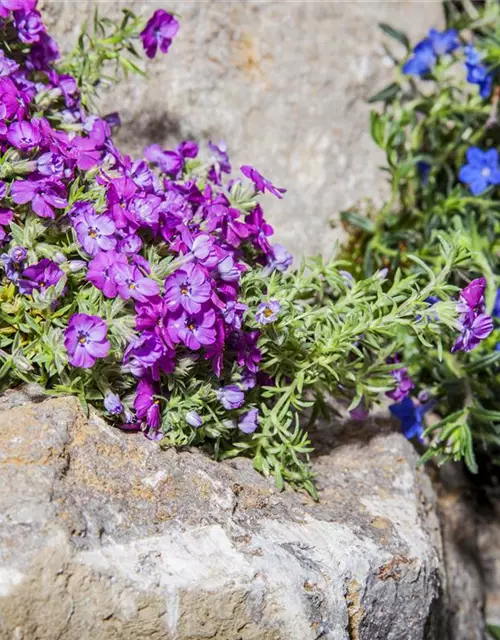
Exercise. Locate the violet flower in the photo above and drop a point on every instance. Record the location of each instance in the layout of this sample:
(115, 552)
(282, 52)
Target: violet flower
(23, 135)
(159, 31)
(231, 397)
(279, 260)
(85, 340)
(13, 262)
(95, 232)
(261, 183)
(195, 330)
(130, 283)
(113, 404)
(267, 312)
(188, 287)
(147, 407)
(194, 419)
(40, 277)
(29, 26)
(6, 217)
(44, 196)
(249, 421)
(99, 272)
(475, 325)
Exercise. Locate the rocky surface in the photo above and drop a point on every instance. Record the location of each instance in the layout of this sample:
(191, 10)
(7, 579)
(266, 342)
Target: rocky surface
(103, 535)
(284, 83)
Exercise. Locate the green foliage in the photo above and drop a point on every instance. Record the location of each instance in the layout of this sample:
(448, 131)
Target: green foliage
(435, 121)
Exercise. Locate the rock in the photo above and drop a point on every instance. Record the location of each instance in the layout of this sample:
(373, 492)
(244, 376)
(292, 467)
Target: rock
(103, 535)
(284, 83)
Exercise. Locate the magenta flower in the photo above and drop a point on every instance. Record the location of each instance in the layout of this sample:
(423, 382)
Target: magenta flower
(95, 232)
(404, 385)
(261, 183)
(85, 340)
(40, 276)
(6, 217)
(194, 330)
(23, 135)
(220, 161)
(147, 407)
(249, 355)
(6, 6)
(267, 312)
(99, 271)
(473, 331)
(187, 287)
(159, 31)
(29, 26)
(42, 194)
(130, 283)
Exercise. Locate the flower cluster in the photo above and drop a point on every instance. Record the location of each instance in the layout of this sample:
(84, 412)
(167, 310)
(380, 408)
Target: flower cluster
(150, 287)
(426, 54)
(441, 142)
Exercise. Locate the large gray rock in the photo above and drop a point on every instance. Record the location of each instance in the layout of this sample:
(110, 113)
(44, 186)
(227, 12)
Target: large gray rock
(284, 83)
(104, 536)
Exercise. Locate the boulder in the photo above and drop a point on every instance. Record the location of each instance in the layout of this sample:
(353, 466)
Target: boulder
(104, 535)
(285, 84)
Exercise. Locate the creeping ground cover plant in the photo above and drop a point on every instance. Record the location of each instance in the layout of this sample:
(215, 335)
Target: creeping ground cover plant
(440, 130)
(151, 289)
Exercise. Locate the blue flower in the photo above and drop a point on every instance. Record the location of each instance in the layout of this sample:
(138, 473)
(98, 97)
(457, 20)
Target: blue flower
(410, 416)
(424, 169)
(477, 73)
(444, 41)
(425, 53)
(481, 170)
(496, 306)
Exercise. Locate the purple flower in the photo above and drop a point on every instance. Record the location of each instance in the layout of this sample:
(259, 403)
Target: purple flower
(95, 232)
(267, 312)
(475, 325)
(13, 262)
(360, 411)
(280, 260)
(220, 161)
(261, 184)
(6, 217)
(144, 210)
(481, 170)
(193, 330)
(187, 287)
(6, 6)
(249, 355)
(85, 340)
(51, 164)
(169, 162)
(231, 397)
(130, 283)
(159, 31)
(147, 407)
(473, 332)
(29, 26)
(40, 276)
(7, 66)
(249, 421)
(23, 135)
(113, 404)
(99, 272)
(233, 314)
(42, 194)
(194, 419)
(404, 385)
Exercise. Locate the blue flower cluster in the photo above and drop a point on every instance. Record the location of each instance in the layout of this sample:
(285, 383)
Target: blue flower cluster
(426, 53)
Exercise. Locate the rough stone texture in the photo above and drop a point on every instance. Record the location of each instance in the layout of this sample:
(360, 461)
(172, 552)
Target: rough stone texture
(284, 83)
(489, 545)
(103, 535)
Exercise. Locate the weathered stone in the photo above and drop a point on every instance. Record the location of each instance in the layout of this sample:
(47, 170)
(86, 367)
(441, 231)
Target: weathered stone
(103, 535)
(284, 83)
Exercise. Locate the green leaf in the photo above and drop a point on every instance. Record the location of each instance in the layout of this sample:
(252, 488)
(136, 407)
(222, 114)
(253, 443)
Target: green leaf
(386, 94)
(401, 37)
